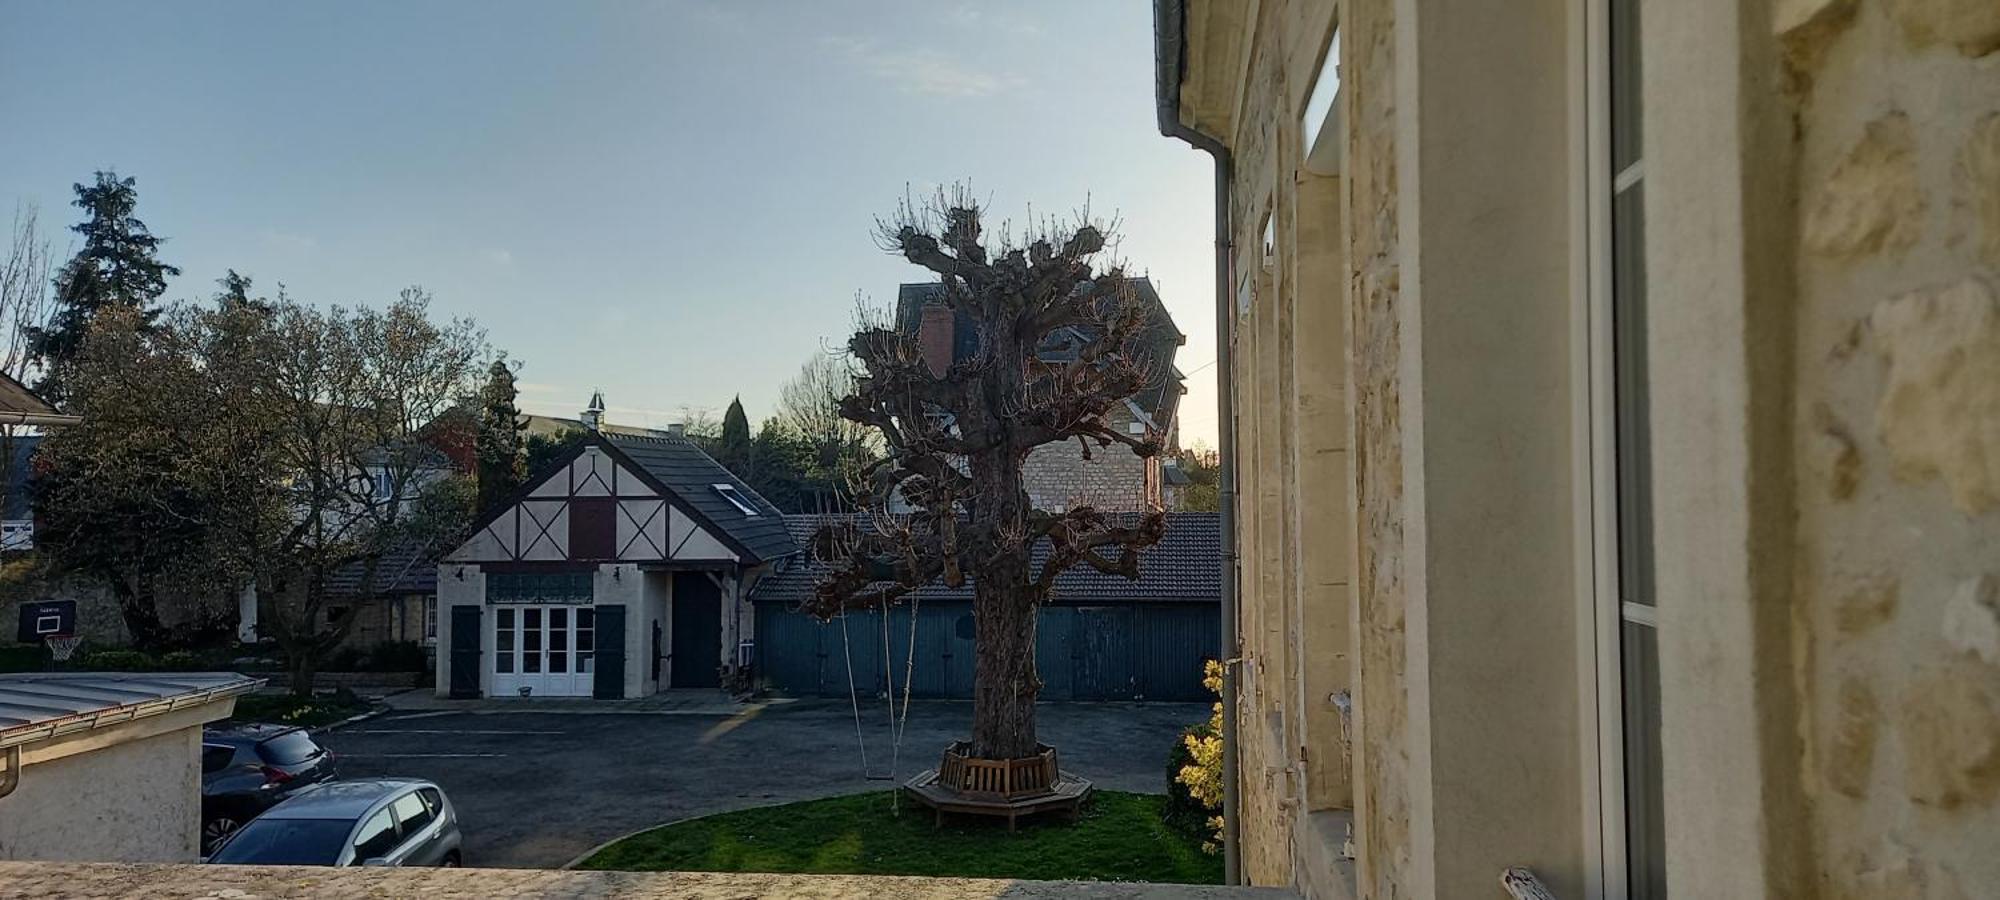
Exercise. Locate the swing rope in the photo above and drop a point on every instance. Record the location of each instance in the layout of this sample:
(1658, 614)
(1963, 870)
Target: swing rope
(897, 727)
(853, 699)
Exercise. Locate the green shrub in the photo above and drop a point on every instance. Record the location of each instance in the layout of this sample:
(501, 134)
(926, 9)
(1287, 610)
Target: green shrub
(120, 661)
(1194, 776)
(181, 661)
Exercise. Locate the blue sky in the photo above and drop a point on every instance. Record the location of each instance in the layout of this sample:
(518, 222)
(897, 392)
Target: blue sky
(669, 201)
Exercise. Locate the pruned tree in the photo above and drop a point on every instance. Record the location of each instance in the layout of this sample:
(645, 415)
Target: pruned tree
(956, 442)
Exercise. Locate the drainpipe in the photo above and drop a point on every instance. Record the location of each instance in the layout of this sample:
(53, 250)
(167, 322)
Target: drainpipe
(1169, 20)
(10, 776)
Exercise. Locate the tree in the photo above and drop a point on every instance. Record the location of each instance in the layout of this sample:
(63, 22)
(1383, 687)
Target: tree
(1203, 468)
(349, 392)
(956, 443)
(24, 307)
(497, 448)
(733, 446)
(164, 468)
(116, 267)
(809, 407)
(541, 450)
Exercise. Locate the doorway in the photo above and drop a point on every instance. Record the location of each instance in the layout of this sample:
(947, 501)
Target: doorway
(549, 650)
(697, 632)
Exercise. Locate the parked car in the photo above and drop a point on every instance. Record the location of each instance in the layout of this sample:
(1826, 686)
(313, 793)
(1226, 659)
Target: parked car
(369, 822)
(246, 769)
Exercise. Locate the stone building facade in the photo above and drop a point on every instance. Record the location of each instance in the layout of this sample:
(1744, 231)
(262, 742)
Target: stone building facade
(1058, 476)
(1617, 430)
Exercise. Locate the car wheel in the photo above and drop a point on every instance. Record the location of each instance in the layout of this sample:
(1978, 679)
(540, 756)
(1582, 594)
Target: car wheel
(214, 830)
(449, 862)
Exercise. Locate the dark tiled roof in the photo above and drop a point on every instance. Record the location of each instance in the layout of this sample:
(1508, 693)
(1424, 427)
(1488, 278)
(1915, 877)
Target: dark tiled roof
(407, 567)
(1184, 567)
(691, 475)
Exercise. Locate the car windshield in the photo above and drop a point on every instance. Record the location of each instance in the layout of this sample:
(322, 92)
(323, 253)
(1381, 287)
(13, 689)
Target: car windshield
(288, 749)
(286, 842)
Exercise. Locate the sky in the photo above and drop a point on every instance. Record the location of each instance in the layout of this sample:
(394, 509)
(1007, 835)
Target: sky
(672, 202)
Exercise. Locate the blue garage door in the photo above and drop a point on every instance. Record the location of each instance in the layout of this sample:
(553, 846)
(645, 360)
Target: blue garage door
(1151, 652)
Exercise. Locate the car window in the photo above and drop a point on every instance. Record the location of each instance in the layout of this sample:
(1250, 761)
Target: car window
(214, 758)
(285, 842)
(288, 749)
(413, 812)
(432, 799)
(376, 837)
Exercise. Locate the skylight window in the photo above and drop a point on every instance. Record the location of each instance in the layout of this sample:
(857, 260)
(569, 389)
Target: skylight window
(735, 498)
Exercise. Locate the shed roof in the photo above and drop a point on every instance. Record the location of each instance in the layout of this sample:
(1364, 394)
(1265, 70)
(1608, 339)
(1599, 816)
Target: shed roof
(35, 707)
(1184, 567)
(409, 566)
(691, 474)
(16, 398)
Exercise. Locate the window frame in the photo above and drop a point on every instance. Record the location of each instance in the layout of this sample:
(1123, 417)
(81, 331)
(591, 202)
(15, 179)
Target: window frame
(735, 497)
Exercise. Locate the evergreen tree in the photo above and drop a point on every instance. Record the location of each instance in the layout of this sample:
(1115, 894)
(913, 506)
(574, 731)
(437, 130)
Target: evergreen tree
(235, 294)
(498, 447)
(117, 267)
(733, 448)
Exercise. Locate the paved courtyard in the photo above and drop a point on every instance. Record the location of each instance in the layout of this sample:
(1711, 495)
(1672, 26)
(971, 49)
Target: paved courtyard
(535, 788)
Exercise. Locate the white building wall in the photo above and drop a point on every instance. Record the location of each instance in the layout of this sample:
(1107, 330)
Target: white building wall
(658, 595)
(137, 801)
(625, 585)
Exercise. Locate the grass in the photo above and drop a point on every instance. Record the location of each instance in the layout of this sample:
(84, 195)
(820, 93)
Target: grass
(285, 709)
(1121, 837)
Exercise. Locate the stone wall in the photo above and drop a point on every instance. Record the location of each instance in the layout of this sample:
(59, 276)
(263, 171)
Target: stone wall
(1113, 478)
(1897, 440)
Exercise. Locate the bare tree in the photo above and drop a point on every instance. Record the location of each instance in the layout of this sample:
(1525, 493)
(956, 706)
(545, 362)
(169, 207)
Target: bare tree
(25, 307)
(956, 443)
(809, 407)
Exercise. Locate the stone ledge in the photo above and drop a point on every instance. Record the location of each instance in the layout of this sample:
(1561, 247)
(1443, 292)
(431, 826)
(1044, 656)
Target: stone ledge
(116, 880)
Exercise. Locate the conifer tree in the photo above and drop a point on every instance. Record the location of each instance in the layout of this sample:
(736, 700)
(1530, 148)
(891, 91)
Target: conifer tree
(117, 266)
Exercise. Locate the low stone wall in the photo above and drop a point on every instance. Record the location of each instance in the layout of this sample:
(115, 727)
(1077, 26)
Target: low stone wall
(120, 881)
(358, 682)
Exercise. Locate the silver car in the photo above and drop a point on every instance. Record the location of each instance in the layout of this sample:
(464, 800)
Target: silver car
(367, 822)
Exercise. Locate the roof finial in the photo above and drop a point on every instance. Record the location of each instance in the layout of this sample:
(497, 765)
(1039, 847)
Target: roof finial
(593, 417)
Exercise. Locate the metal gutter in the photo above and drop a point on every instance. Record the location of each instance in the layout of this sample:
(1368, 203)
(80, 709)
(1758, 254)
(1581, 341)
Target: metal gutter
(46, 419)
(118, 715)
(1169, 49)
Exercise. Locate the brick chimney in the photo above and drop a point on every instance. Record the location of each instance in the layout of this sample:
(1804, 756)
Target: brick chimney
(934, 336)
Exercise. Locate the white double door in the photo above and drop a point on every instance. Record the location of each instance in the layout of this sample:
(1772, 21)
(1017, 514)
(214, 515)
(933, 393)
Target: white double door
(549, 650)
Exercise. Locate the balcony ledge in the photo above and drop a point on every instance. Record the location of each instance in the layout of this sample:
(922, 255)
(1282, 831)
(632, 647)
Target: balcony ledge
(120, 880)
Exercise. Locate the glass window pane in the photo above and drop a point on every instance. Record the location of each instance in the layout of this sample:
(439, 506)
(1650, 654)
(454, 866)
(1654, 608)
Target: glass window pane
(531, 619)
(412, 812)
(586, 617)
(586, 640)
(376, 837)
(1645, 817)
(531, 662)
(558, 662)
(585, 663)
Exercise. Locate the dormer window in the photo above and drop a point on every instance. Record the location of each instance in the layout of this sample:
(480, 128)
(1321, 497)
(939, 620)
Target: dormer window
(735, 498)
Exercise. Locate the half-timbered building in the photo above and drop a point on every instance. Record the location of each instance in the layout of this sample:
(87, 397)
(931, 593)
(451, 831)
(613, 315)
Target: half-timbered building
(621, 569)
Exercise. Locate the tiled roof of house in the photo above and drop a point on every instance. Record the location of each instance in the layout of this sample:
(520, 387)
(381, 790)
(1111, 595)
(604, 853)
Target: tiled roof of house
(1184, 567)
(692, 475)
(407, 567)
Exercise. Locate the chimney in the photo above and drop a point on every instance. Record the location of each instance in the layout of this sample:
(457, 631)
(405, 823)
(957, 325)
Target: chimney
(593, 418)
(678, 429)
(934, 336)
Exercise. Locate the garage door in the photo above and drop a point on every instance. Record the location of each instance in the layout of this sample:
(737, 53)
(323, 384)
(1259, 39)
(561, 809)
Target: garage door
(544, 651)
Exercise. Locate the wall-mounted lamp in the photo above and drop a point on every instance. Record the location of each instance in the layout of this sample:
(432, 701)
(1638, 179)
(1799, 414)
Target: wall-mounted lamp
(614, 573)
(460, 574)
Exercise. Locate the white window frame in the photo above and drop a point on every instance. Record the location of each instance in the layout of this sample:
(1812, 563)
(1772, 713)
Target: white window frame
(735, 497)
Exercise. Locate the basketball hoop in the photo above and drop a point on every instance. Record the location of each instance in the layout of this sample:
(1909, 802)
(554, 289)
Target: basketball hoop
(62, 646)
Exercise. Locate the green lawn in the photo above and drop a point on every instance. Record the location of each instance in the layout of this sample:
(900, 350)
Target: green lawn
(1120, 838)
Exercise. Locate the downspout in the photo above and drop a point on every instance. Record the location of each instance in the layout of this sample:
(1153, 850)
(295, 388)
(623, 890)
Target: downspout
(1169, 21)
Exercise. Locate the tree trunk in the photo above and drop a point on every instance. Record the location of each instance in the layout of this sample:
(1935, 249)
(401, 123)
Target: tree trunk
(1004, 682)
(304, 666)
(141, 615)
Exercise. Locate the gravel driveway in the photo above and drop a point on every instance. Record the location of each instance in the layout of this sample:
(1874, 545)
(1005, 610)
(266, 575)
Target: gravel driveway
(535, 789)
